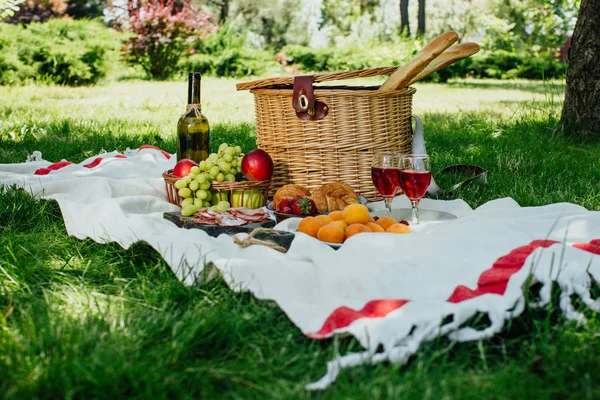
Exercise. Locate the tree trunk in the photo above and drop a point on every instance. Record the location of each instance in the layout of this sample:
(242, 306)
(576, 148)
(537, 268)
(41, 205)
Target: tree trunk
(421, 19)
(581, 110)
(224, 11)
(404, 25)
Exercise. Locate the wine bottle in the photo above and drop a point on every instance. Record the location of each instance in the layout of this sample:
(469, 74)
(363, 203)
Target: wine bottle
(193, 131)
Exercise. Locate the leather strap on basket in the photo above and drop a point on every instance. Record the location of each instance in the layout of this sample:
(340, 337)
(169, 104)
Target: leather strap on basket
(477, 174)
(304, 102)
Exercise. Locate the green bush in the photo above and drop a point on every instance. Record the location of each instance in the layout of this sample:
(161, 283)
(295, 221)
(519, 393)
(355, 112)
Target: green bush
(343, 59)
(507, 65)
(500, 64)
(503, 64)
(61, 51)
(234, 63)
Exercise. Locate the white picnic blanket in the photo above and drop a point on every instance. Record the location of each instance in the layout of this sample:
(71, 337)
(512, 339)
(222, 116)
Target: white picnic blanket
(385, 289)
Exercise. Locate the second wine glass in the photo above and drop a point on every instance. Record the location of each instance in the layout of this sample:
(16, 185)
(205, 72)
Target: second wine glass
(415, 177)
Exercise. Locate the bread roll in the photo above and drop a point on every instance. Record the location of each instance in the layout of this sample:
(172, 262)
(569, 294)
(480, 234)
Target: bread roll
(448, 57)
(407, 72)
(333, 196)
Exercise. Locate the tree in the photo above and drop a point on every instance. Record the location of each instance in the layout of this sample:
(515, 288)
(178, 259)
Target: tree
(421, 19)
(404, 25)
(581, 110)
(223, 9)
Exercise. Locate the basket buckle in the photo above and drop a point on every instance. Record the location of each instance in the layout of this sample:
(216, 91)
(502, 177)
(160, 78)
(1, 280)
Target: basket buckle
(304, 101)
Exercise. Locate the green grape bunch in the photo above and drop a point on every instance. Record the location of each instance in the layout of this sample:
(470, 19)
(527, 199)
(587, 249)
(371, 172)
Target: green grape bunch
(194, 189)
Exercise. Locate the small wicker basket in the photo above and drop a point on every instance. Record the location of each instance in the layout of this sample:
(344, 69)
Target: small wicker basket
(258, 195)
(338, 147)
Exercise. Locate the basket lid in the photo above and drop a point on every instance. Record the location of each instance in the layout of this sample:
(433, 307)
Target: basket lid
(337, 76)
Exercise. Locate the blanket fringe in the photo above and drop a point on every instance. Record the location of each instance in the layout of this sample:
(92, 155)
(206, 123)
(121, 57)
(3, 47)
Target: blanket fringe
(577, 283)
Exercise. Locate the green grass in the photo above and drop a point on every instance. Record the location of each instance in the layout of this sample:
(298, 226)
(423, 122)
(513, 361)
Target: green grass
(83, 320)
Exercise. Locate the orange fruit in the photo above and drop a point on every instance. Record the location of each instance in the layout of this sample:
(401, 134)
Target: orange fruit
(375, 227)
(386, 222)
(325, 219)
(331, 233)
(355, 229)
(336, 215)
(398, 228)
(310, 226)
(356, 214)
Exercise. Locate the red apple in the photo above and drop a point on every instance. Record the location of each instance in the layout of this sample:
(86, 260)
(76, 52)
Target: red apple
(257, 165)
(183, 167)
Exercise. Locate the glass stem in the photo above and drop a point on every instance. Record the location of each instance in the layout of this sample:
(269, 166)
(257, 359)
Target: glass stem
(415, 211)
(388, 205)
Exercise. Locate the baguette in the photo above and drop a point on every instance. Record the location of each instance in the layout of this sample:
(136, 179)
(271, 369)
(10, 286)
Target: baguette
(448, 57)
(407, 72)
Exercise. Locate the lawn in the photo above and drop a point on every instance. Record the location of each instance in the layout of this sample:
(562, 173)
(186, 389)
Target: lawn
(83, 320)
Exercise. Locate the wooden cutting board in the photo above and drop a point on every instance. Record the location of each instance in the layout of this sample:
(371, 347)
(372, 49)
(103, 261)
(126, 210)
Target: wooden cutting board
(282, 238)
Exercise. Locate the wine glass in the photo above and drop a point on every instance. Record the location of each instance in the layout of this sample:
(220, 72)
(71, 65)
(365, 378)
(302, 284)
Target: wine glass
(385, 173)
(415, 176)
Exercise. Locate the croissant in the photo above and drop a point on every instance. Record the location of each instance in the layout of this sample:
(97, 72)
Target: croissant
(333, 196)
(289, 192)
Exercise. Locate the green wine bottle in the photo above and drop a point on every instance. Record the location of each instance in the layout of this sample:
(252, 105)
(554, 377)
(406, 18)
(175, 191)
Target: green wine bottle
(193, 131)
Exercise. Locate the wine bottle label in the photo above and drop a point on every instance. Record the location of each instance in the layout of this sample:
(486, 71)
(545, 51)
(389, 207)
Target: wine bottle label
(197, 108)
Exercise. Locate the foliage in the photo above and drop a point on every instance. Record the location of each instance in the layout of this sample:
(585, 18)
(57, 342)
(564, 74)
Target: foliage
(61, 51)
(162, 30)
(27, 11)
(86, 8)
(341, 59)
(462, 16)
(39, 11)
(531, 25)
(230, 63)
(8, 8)
(502, 64)
(225, 52)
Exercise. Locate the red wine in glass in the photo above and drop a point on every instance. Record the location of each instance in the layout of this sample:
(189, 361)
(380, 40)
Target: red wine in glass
(415, 176)
(414, 183)
(385, 173)
(386, 180)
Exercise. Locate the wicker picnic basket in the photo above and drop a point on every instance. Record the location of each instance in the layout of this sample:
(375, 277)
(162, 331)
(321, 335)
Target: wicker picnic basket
(318, 135)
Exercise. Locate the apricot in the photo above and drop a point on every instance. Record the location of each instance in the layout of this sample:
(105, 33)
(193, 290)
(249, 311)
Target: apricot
(342, 224)
(375, 227)
(325, 219)
(355, 229)
(336, 215)
(386, 222)
(356, 214)
(331, 233)
(398, 228)
(310, 226)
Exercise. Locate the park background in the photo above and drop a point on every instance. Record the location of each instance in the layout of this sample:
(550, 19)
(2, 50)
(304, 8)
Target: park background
(84, 320)
(82, 42)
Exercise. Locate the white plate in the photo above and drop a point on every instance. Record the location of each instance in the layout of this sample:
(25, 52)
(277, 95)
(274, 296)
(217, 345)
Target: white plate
(425, 215)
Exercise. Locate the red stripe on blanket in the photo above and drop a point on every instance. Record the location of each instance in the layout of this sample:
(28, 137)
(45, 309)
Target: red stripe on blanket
(344, 316)
(98, 160)
(52, 167)
(491, 281)
(149, 146)
(495, 279)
